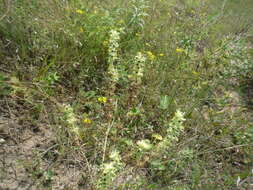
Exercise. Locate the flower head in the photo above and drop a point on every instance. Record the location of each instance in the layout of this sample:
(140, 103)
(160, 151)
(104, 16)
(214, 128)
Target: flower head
(109, 167)
(115, 156)
(87, 121)
(113, 45)
(179, 50)
(79, 11)
(81, 30)
(180, 115)
(150, 55)
(102, 99)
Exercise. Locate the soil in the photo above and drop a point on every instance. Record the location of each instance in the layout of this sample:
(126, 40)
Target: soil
(27, 160)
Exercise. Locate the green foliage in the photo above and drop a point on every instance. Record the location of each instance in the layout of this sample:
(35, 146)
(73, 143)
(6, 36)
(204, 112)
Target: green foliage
(109, 171)
(114, 76)
(5, 88)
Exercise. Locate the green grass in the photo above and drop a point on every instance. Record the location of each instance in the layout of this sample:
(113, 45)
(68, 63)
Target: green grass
(152, 86)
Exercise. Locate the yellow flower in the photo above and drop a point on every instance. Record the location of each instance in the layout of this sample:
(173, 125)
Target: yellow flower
(81, 30)
(102, 99)
(161, 54)
(79, 11)
(151, 55)
(87, 121)
(195, 73)
(179, 50)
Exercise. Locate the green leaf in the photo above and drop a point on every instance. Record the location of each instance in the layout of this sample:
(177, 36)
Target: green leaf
(164, 102)
(157, 164)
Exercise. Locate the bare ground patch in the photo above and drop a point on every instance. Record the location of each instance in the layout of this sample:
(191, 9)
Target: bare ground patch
(29, 154)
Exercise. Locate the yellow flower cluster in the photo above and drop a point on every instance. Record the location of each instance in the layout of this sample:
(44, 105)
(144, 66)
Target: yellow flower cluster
(179, 50)
(102, 99)
(79, 11)
(81, 30)
(150, 55)
(87, 121)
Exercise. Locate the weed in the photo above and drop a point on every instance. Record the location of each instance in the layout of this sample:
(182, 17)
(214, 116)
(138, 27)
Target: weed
(110, 78)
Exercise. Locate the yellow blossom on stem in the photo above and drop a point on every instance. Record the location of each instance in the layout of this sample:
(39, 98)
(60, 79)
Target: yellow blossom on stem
(179, 50)
(81, 30)
(102, 99)
(161, 54)
(79, 11)
(150, 55)
(87, 121)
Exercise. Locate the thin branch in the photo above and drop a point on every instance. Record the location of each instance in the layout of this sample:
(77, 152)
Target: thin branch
(106, 138)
